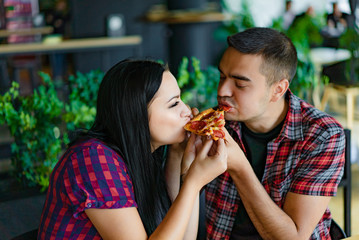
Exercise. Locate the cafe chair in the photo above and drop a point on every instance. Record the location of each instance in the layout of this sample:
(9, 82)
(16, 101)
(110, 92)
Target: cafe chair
(336, 232)
(346, 183)
(30, 235)
(339, 84)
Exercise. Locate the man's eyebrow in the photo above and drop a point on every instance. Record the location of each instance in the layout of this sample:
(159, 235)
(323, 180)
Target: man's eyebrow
(237, 77)
(240, 77)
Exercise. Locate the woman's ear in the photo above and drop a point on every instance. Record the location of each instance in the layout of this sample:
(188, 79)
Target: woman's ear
(279, 89)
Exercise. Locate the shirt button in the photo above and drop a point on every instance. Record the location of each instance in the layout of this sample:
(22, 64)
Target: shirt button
(89, 205)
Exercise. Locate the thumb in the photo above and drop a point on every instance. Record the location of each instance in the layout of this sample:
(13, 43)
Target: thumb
(190, 150)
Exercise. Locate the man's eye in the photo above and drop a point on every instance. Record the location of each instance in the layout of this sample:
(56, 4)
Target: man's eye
(240, 86)
(175, 104)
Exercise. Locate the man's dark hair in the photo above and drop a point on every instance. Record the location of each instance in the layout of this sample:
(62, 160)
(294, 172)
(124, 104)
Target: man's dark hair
(277, 50)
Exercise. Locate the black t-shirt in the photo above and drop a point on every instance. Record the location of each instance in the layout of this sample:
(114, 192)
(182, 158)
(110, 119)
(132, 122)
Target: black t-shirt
(256, 151)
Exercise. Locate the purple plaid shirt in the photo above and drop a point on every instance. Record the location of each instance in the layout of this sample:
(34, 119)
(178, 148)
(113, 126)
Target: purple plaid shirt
(306, 158)
(89, 175)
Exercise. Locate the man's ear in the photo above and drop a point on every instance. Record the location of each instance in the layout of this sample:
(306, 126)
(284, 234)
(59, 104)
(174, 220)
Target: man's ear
(279, 89)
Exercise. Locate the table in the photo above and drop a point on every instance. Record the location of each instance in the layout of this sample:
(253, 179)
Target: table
(325, 56)
(356, 237)
(72, 46)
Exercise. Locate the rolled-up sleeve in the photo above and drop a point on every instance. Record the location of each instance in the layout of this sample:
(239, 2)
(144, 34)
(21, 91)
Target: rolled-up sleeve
(97, 177)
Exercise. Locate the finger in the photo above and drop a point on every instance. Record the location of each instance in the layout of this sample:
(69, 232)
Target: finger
(213, 150)
(190, 148)
(195, 111)
(205, 148)
(191, 141)
(221, 146)
(198, 142)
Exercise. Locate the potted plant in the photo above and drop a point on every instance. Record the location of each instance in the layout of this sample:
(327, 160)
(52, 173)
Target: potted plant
(80, 111)
(199, 87)
(34, 122)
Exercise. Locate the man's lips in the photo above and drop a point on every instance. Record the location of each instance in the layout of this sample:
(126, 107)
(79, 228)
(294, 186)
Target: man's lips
(225, 106)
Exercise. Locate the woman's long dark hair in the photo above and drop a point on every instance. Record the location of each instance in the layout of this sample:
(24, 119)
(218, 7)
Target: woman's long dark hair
(122, 123)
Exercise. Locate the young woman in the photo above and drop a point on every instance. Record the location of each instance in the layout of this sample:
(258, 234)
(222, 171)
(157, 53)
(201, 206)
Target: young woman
(113, 182)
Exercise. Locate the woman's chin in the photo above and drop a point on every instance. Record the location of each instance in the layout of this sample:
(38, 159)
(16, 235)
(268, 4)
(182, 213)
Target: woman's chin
(181, 137)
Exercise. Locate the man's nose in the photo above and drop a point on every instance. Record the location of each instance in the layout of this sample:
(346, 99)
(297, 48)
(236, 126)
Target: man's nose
(224, 88)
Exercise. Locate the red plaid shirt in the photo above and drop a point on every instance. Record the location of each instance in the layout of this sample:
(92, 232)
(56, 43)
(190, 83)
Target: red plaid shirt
(306, 158)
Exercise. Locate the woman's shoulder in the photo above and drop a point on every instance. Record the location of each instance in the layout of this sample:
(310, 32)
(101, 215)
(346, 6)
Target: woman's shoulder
(89, 144)
(93, 151)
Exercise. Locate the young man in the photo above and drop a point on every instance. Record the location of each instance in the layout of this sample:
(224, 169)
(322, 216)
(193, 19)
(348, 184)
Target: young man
(285, 158)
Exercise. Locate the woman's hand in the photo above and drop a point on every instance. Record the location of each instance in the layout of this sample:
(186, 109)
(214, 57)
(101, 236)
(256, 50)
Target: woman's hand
(210, 160)
(193, 144)
(178, 149)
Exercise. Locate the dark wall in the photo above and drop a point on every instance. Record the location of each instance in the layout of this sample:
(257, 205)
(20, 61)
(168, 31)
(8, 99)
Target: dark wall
(89, 20)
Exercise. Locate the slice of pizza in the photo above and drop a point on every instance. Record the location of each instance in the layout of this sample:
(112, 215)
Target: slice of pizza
(208, 123)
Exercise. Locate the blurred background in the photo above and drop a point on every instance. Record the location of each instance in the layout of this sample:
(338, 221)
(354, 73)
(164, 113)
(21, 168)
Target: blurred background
(53, 54)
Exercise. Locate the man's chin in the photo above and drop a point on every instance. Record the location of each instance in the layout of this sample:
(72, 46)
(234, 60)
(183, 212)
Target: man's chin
(228, 116)
(231, 117)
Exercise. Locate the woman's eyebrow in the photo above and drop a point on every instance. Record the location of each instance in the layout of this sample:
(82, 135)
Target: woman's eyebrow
(177, 96)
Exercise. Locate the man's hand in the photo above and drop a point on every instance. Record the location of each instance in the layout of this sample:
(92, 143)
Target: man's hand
(235, 154)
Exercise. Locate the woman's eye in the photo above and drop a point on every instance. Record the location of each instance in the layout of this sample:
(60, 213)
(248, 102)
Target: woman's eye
(175, 104)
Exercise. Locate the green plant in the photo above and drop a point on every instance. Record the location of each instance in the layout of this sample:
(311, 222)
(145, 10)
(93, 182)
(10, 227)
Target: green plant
(199, 87)
(81, 107)
(34, 122)
(304, 33)
(350, 41)
(239, 21)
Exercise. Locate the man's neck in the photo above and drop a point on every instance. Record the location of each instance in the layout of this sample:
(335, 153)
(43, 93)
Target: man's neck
(274, 115)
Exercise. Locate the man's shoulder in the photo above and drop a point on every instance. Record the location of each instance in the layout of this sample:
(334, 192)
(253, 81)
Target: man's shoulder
(312, 119)
(317, 123)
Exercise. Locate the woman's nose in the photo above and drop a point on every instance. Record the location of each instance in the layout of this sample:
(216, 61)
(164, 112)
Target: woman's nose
(186, 111)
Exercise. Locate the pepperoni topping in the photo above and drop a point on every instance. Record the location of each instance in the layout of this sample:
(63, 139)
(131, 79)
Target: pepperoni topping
(197, 125)
(220, 118)
(218, 133)
(209, 115)
(225, 108)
